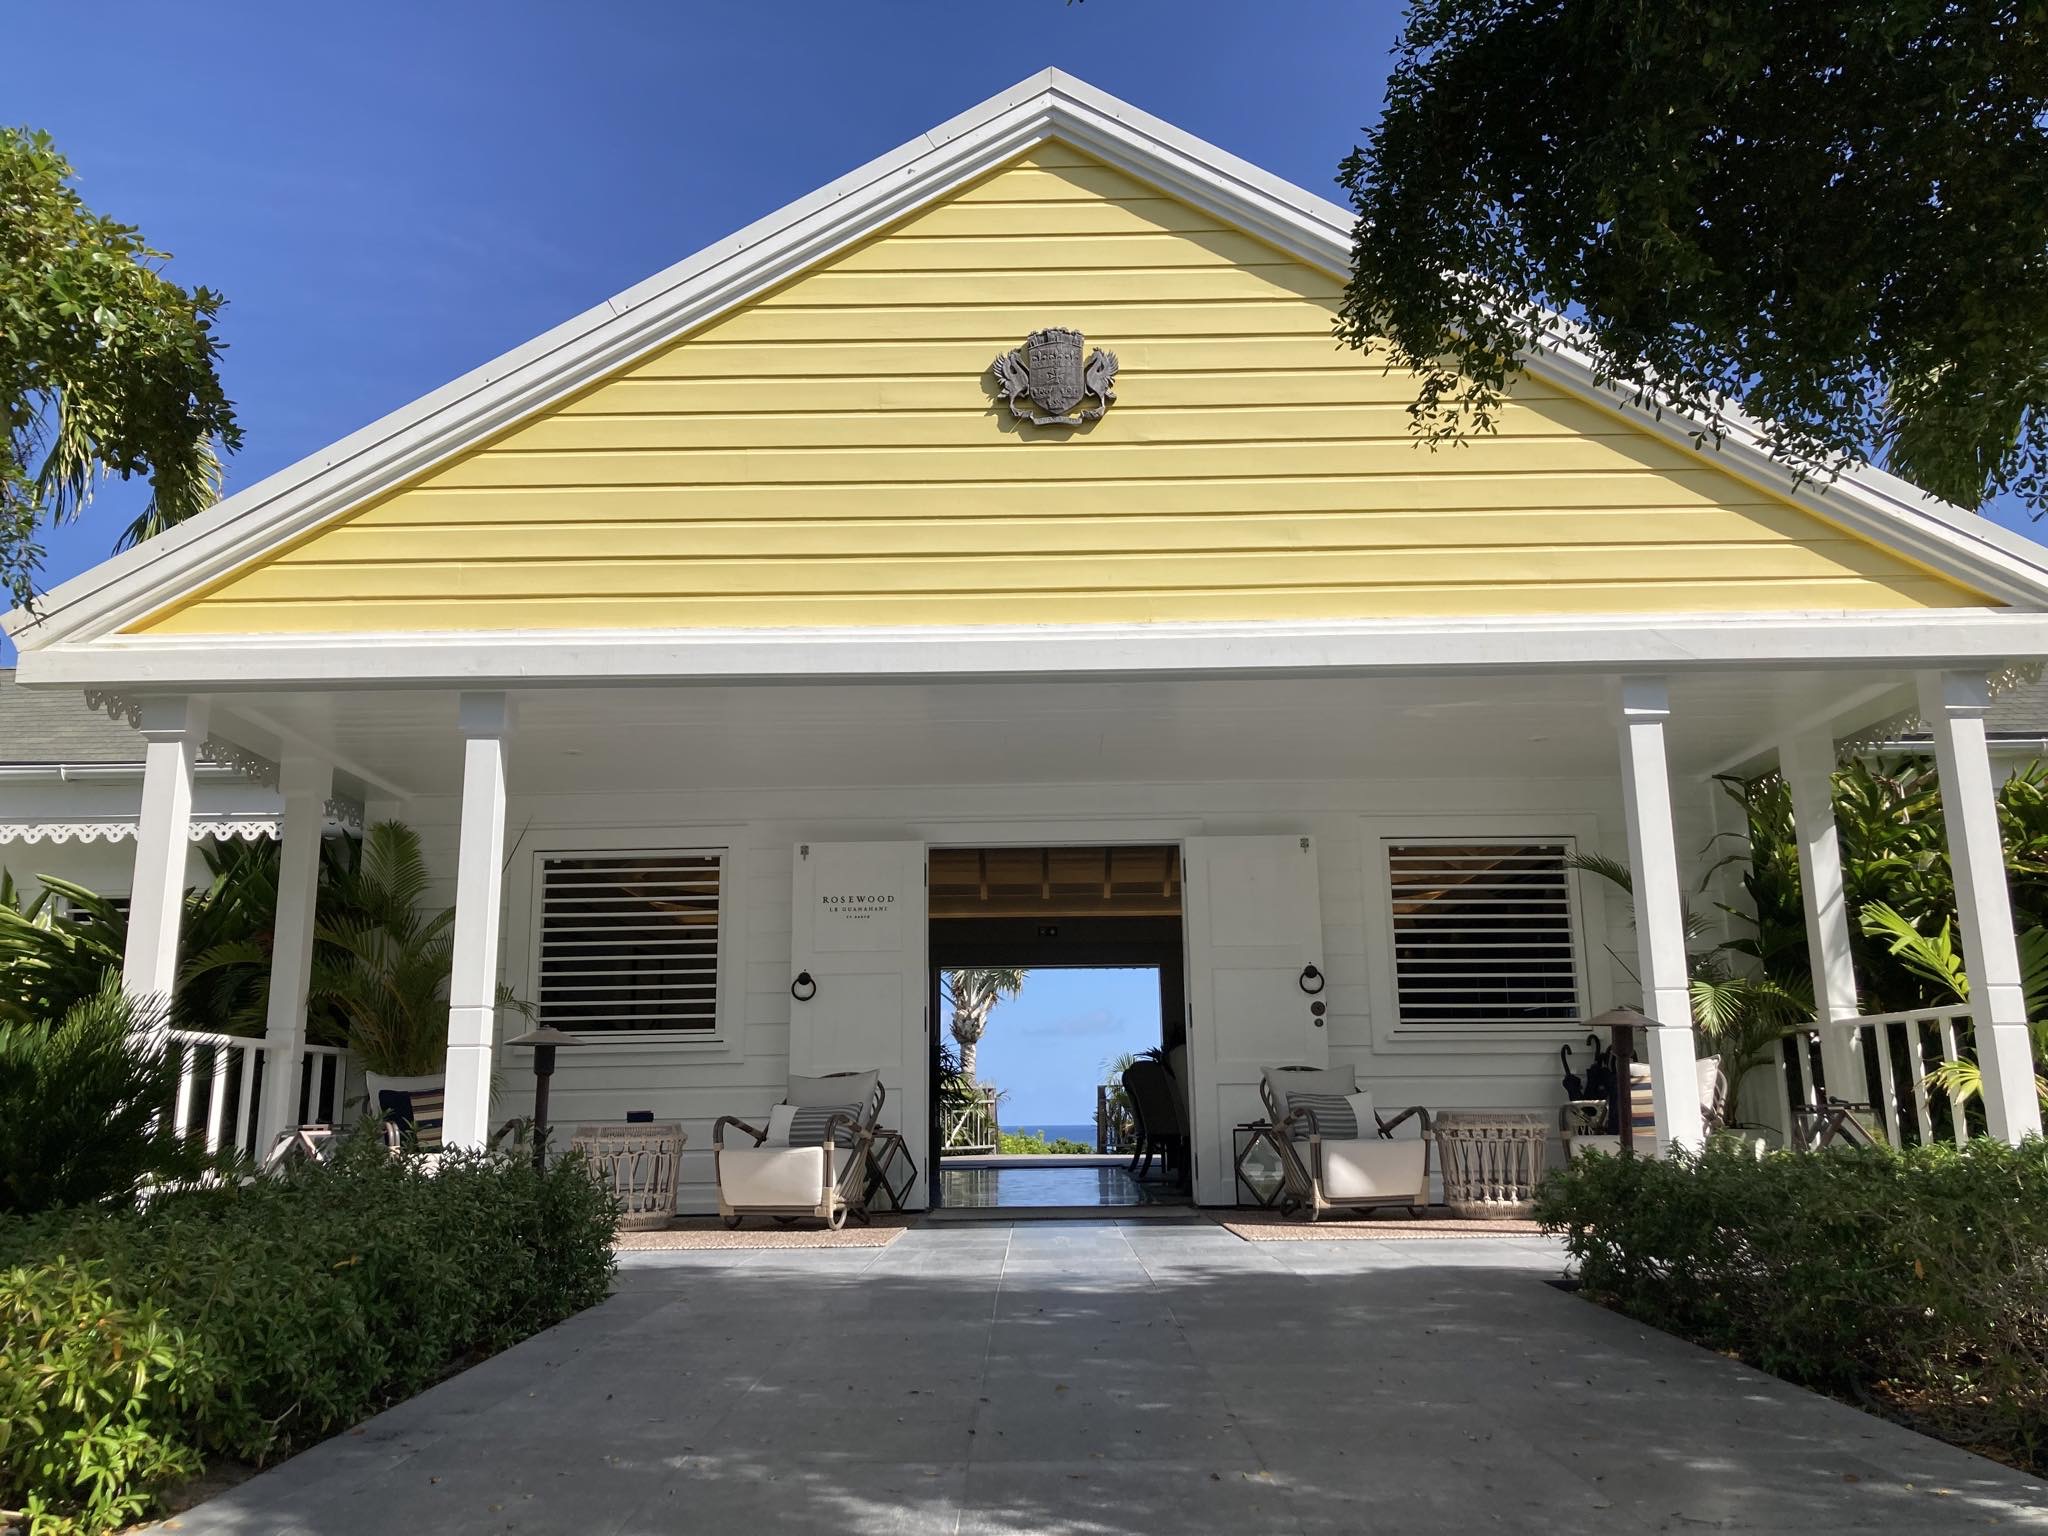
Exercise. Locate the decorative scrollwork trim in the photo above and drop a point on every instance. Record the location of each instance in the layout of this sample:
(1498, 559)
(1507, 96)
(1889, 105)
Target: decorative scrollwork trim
(220, 829)
(1894, 729)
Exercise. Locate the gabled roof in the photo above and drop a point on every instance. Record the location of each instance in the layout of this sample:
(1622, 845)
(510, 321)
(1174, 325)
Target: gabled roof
(1049, 105)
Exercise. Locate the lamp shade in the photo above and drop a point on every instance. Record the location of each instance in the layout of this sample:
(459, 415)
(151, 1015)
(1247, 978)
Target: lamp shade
(1613, 1018)
(545, 1034)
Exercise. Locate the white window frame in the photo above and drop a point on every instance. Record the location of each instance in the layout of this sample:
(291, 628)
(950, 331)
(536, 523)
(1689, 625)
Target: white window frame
(1588, 920)
(722, 1042)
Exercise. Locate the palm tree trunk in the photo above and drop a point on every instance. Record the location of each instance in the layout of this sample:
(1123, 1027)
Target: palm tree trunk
(967, 1051)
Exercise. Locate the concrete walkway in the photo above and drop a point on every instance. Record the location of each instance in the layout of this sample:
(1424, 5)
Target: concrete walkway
(1116, 1379)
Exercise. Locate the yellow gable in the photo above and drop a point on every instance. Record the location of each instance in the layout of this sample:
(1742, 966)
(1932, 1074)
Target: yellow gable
(832, 454)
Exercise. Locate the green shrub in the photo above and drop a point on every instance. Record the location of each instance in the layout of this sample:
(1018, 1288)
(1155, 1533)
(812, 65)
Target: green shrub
(1919, 1279)
(1034, 1144)
(82, 1105)
(91, 1392)
(301, 1305)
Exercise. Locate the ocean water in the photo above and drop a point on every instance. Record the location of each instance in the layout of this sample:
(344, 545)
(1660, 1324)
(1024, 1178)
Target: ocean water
(1085, 1134)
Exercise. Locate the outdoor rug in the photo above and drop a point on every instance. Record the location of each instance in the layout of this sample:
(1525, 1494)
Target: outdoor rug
(1272, 1227)
(762, 1232)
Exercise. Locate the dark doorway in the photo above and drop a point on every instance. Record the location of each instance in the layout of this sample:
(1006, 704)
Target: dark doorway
(1071, 910)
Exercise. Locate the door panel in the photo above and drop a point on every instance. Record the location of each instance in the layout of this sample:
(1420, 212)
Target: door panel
(1254, 921)
(857, 929)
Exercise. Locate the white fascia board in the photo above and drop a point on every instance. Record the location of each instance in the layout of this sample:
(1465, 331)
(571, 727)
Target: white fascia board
(113, 773)
(1050, 104)
(1983, 639)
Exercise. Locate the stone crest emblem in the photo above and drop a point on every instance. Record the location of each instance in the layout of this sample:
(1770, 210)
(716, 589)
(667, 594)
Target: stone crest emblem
(1044, 380)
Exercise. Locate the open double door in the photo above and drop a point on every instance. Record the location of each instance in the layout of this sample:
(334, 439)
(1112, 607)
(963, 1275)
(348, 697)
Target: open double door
(859, 930)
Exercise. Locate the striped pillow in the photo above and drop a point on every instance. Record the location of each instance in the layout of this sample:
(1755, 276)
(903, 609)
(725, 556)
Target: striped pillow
(1336, 1120)
(1642, 1102)
(416, 1114)
(807, 1125)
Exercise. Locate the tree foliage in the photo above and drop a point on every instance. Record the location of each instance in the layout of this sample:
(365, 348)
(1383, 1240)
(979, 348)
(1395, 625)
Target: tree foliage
(56, 943)
(973, 992)
(385, 957)
(1837, 211)
(106, 366)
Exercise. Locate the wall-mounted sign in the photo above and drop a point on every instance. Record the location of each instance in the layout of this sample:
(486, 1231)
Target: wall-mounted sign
(857, 906)
(1044, 380)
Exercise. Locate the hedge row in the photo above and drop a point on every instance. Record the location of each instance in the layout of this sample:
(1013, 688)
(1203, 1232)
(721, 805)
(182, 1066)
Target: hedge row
(250, 1320)
(1916, 1281)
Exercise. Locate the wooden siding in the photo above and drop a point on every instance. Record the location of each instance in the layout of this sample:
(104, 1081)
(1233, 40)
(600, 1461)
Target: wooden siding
(830, 454)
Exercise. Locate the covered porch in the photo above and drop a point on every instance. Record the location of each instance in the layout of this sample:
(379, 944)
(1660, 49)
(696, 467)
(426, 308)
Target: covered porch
(1357, 761)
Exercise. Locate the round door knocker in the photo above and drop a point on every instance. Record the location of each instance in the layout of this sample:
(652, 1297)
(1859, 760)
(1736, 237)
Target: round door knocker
(803, 989)
(1311, 980)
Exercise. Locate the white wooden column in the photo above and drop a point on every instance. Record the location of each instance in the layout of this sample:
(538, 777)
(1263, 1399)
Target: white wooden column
(479, 893)
(1807, 760)
(1954, 705)
(306, 783)
(1660, 911)
(175, 729)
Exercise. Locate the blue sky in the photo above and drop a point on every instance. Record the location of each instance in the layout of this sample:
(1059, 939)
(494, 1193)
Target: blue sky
(392, 193)
(1045, 1047)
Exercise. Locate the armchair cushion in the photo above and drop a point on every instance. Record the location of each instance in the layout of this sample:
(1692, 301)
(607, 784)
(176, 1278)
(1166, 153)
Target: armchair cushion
(1372, 1168)
(788, 1177)
(836, 1090)
(1288, 1083)
(1362, 1111)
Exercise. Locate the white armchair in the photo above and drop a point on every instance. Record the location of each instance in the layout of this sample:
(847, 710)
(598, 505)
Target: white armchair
(810, 1159)
(1336, 1150)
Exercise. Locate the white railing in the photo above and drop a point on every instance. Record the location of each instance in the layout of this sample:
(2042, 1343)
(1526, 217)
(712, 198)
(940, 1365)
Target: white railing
(971, 1126)
(1894, 1056)
(222, 1080)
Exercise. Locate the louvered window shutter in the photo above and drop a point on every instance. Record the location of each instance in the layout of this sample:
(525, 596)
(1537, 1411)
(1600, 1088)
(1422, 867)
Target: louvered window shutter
(1484, 935)
(629, 941)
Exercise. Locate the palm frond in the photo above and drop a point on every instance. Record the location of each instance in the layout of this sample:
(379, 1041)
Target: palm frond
(1932, 958)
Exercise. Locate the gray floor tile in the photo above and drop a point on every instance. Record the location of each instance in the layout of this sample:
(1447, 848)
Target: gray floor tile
(1116, 1378)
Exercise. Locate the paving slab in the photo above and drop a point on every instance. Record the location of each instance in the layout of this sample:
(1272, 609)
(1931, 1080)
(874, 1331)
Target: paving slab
(1114, 1378)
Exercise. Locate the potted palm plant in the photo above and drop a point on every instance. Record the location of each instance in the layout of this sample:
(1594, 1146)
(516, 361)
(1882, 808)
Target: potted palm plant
(383, 970)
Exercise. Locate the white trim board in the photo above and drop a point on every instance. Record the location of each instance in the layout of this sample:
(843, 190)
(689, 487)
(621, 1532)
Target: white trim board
(1050, 104)
(1960, 638)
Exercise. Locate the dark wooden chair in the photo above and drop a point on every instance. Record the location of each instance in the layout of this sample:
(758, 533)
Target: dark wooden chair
(1156, 1108)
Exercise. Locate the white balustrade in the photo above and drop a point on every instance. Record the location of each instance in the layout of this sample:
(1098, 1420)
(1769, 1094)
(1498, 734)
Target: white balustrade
(222, 1080)
(971, 1126)
(1897, 1055)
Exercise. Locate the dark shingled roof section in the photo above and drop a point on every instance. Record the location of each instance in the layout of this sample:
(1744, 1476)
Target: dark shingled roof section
(2018, 714)
(2021, 711)
(41, 725)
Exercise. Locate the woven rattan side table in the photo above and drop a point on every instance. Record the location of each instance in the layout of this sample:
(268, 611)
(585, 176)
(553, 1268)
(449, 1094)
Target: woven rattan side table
(1491, 1160)
(638, 1164)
